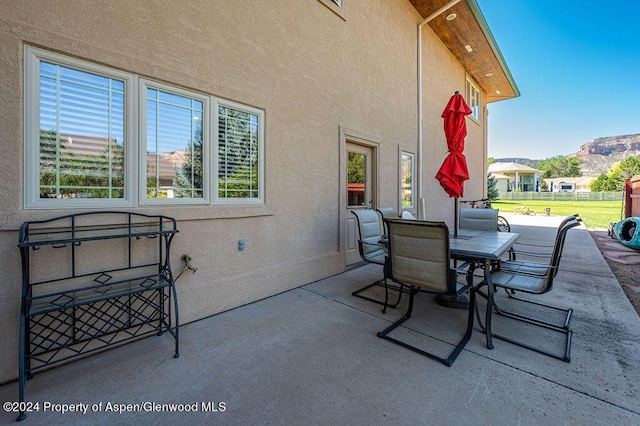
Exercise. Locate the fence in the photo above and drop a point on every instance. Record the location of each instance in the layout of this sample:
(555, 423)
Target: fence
(632, 199)
(568, 196)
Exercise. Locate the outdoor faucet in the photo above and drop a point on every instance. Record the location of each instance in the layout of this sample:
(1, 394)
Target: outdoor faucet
(187, 260)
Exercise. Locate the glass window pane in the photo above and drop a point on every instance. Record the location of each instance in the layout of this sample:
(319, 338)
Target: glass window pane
(81, 134)
(174, 146)
(356, 179)
(472, 97)
(238, 156)
(406, 182)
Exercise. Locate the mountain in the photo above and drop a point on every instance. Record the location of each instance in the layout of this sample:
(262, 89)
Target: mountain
(518, 160)
(599, 155)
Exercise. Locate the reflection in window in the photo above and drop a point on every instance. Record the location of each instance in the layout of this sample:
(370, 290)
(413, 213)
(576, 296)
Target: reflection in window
(406, 180)
(238, 153)
(472, 96)
(80, 141)
(174, 146)
(356, 172)
(81, 134)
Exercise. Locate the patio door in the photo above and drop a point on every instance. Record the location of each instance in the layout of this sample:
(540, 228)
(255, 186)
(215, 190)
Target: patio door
(360, 190)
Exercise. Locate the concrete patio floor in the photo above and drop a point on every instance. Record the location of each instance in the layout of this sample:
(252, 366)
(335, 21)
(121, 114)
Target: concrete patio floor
(311, 356)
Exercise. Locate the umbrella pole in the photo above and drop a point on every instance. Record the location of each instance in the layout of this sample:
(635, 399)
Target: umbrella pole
(455, 218)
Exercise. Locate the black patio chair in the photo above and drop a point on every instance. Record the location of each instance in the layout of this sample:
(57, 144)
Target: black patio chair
(527, 280)
(372, 249)
(419, 257)
(476, 220)
(387, 213)
(538, 250)
(479, 219)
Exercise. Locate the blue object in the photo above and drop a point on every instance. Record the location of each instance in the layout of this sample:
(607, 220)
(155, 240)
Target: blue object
(626, 231)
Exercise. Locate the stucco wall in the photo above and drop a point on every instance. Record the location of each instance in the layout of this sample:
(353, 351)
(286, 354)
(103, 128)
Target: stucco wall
(309, 69)
(442, 76)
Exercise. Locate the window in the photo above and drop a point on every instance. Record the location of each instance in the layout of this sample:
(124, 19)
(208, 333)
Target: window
(173, 142)
(80, 143)
(77, 145)
(336, 6)
(407, 172)
(473, 99)
(357, 179)
(239, 154)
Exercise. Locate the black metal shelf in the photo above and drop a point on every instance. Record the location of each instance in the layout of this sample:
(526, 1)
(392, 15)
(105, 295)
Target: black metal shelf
(91, 281)
(82, 296)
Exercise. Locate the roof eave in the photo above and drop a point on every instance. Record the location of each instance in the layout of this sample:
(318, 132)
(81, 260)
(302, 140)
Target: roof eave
(484, 27)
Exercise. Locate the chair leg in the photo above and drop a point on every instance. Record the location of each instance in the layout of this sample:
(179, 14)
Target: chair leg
(537, 321)
(382, 283)
(491, 306)
(456, 351)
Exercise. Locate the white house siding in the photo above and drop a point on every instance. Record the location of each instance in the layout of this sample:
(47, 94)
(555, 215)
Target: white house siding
(311, 71)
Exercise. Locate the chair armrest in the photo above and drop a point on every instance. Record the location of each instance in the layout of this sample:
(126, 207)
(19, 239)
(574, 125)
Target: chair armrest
(461, 268)
(530, 253)
(534, 245)
(368, 254)
(540, 269)
(378, 244)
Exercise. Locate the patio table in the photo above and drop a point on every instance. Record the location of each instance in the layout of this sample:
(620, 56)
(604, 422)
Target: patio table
(485, 247)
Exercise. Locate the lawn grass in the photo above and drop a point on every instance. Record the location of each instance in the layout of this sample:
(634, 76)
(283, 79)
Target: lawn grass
(594, 214)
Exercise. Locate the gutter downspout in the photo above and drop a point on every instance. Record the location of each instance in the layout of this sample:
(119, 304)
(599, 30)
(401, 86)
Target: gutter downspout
(422, 205)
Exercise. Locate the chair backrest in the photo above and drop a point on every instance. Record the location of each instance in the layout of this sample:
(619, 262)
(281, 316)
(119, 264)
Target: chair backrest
(559, 244)
(407, 215)
(479, 219)
(567, 220)
(387, 213)
(419, 254)
(554, 263)
(370, 234)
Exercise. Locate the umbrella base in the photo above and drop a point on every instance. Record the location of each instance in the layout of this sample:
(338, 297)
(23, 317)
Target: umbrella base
(460, 302)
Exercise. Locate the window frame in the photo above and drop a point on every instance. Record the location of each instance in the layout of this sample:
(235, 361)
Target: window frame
(143, 85)
(32, 58)
(217, 200)
(473, 99)
(412, 155)
(135, 139)
(336, 6)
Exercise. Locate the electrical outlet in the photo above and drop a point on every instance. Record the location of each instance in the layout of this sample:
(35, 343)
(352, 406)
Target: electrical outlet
(241, 245)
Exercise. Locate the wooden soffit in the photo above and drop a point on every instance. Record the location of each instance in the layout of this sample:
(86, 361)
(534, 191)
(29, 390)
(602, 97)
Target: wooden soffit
(484, 63)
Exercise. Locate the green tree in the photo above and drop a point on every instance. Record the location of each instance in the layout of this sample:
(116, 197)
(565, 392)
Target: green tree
(356, 168)
(543, 185)
(492, 190)
(189, 175)
(614, 180)
(491, 160)
(560, 166)
(628, 168)
(602, 183)
(237, 141)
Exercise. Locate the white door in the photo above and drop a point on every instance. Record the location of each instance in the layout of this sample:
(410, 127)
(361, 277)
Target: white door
(360, 190)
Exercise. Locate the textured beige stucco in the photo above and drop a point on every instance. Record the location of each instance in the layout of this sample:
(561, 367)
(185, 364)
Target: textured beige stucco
(310, 70)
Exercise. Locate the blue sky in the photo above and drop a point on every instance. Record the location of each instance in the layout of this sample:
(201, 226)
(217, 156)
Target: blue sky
(577, 65)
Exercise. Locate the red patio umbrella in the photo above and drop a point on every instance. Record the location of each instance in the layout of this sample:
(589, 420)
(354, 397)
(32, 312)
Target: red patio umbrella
(453, 171)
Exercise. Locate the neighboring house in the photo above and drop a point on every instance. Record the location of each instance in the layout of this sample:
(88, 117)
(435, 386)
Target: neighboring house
(245, 120)
(502, 182)
(518, 177)
(569, 184)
